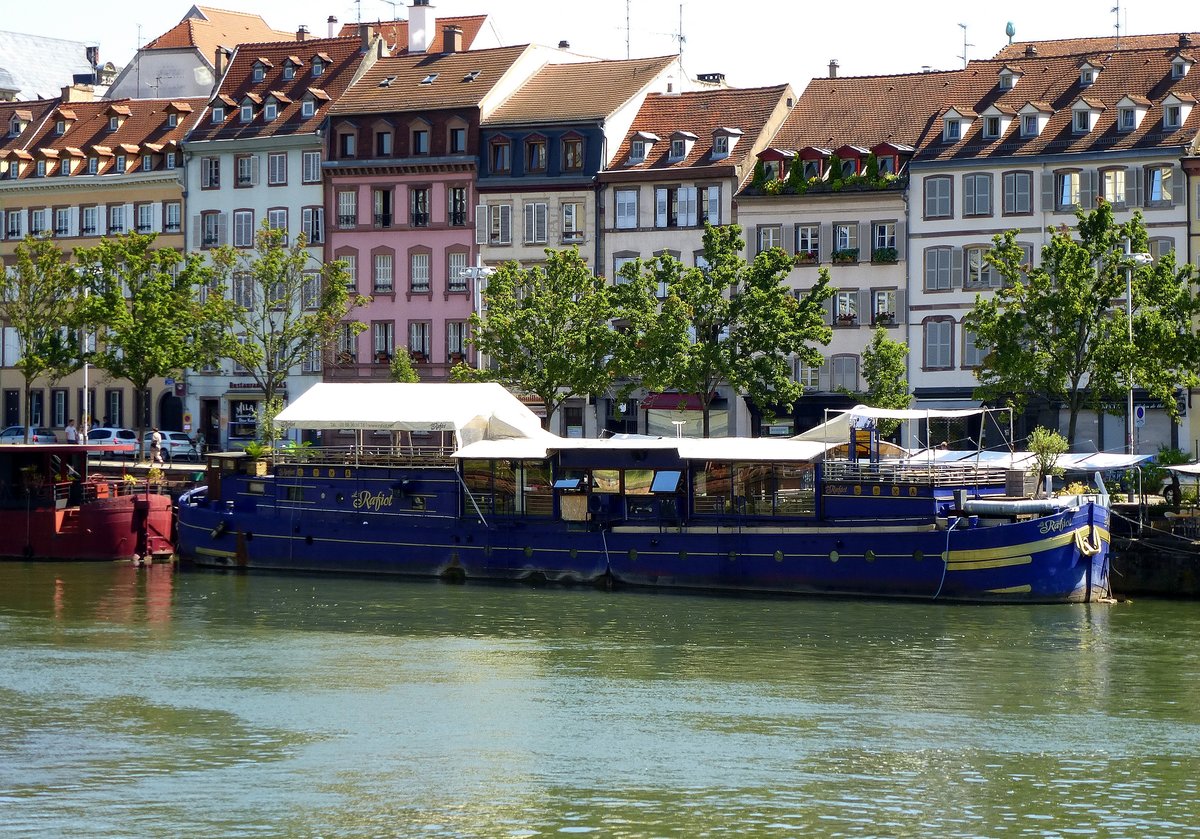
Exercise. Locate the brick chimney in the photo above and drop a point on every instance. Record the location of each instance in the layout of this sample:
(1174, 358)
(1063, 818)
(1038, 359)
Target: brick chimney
(452, 39)
(564, 45)
(332, 24)
(421, 22)
(302, 33)
(78, 93)
(219, 62)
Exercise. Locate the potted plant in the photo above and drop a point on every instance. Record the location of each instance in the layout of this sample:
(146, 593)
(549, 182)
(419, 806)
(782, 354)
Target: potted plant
(847, 319)
(257, 452)
(884, 318)
(805, 258)
(884, 256)
(846, 255)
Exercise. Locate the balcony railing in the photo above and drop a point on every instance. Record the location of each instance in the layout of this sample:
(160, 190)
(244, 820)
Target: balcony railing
(210, 240)
(171, 227)
(89, 230)
(458, 219)
(347, 220)
(383, 219)
(145, 228)
(62, 231)
(420, 219)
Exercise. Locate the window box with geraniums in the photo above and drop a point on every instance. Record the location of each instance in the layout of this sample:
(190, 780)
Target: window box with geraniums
(805, 258)
(884, 318)
(847, 319)
(884, 256)
(846, 255)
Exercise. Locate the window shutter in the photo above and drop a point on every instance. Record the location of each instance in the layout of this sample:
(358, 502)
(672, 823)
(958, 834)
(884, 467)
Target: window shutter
(968, 182)
(1087, 188)
(714, 205)
(505, 223)
(902, 307)
(222, 229)
(865, 243)
(864, 306)
(823, 377)
(689, 200)
(957, 255)
(254, 170)
(830, 308)
(481, 224)
(1047, 192)
(73, 221)
(901, 239)
(1133, 187)
(196, 222)
(826, 241)
(530, 223)
(540, 221)
(660, 207)
(1175, 184)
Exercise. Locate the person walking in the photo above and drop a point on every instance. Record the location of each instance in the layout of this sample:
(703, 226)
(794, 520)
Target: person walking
(156, 446)
(72, 432)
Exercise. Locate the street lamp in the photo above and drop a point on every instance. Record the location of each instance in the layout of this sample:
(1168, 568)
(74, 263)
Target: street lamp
(1131, 259)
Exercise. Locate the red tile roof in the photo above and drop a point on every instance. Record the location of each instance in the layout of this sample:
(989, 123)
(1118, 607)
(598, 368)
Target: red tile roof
(700, 112)
(217, 27)
(395, 32)
(344, 58)
(586, 91)
(1097, 47)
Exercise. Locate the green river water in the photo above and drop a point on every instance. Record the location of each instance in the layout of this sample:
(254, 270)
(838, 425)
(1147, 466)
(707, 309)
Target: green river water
(157, 702)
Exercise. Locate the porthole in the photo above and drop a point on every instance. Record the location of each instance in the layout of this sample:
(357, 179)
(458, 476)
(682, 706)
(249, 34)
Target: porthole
(779, 556)
(683, 555)
(528, 552)
(574, 553)
(834, 556)
(869, 556)
(918, 556)
(632, 555)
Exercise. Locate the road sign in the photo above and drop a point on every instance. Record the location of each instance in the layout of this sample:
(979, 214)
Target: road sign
(1139, 416)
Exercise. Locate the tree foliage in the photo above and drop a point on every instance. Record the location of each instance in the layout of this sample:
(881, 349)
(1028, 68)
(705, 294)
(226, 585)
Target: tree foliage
(730, 321)
(547, 330)
(37, 301)
(285, 307)
(1059, 331)
(401, 368)
(1046, 445)
(147, 308)
(885, 370)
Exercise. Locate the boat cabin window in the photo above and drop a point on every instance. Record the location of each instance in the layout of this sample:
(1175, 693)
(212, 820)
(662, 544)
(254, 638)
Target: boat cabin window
(665, 481)
(754, 489)
(638, 481)
(606, 481)
(509, 487)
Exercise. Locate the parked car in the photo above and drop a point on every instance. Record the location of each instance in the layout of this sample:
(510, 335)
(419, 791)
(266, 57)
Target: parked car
(16, 434)
(175, 444)
(118, 442)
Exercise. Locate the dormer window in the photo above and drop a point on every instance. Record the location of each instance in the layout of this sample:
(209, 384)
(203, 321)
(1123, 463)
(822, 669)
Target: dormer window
(637, 151)
(318, 66)
(1171, 116)
(1083, 122)
(1179, 67)
(114, 123)
(308, 107)
(1029, 125)
(991, 128)
(678, 149)
(147, 162)
(120, 167)
(270, 111)
(1006, 81)
(289, 71)
(41, 169)
(260, 72)
(952, 132)
(1086, 76)
(172, 120)
(60, 127)
(64, 167)
(14, 127)
(1127, 119)
(721, 145)
(93, 165)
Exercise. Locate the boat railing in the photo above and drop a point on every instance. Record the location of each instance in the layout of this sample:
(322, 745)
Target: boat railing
(383, 455)
(907, 472)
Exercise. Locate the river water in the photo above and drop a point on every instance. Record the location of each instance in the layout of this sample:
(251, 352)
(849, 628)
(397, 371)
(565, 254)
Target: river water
(156, 702)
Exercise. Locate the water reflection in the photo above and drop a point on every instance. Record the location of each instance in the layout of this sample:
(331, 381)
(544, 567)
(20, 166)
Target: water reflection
(379, 707)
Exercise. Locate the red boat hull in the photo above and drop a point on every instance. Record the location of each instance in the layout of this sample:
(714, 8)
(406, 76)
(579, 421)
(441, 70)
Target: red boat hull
(123, 527)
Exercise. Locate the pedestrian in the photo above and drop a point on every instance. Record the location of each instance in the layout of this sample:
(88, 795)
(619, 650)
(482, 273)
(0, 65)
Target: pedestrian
(72, 432)
(156, 446)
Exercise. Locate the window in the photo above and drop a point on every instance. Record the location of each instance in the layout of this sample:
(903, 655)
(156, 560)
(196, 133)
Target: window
(627, 208)
(883, 235)
(113, 123)
(977, 195)
(572, 222)
(1158, 186)
(973, 354)
(311, 166)
(116, 218)
(808, 237)
(457, 204)
(1083, 121)
(807, 377)
(418, 277)
(937, 269)
(145, 218)
(169, 160)
(637, 151)
(172, 215)
(1029, 125)
(710, 204)
(1161, 246)
(289, 71)
(270, 110)
(277, 168)
(572, 154)
(991, 128)
(1006, 81)
(1171, 116)
(210, 229)
(979, 272)
(218, 114)
(308, 107)
(418, 339)
(383, 340)
(93, 165)
(458, 140)
(953, 130)
(245, 170)
(89, 216)
(939, 344)
(64, 166)
(383, 273)
(37, 222)
(312, 224)
(383, 144)
(260, 72)
(500, 230)
(845, 240)
(210, 172)
(62, 221)
(1179, 68)
(456, 340)
(535, 155)
(883, 307)
(247, 112)
(1066, 190)
(1127, 119)
(845, 307)
(536, 214)
(351, 260)
(1112, 185)
(678, 149)
(347, 142)
(501, 158)
(937, 197)
(277, 219)
(347, 344)
(243, 228)
(769, 236)
(418, 206)
(41, 168)
(242, 289)
(1086, 76)
(347, 209)
(843, 372)
(456, 268)
(675, 206)
(720, 145)
(1018, 191)
(318, 66)
(382, 199)
(120, 167)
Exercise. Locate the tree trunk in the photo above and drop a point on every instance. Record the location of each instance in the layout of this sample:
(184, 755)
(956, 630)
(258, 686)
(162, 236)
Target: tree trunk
(28, 406)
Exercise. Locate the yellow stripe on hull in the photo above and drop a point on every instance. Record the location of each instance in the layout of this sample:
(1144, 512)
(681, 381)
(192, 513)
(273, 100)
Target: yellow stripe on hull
(971, 560)
(1025, 589)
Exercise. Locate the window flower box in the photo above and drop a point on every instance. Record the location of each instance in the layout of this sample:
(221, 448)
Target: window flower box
(805, 258)
(417, 355)
(846, 256)
(383, 357)
(884, 256)
(884, 319)
(847, 320)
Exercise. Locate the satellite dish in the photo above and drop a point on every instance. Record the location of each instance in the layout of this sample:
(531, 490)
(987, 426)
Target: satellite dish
(1010, 30)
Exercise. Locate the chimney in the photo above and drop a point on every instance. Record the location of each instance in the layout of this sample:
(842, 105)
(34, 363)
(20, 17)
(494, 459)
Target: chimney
(452, 39)
(302, 33)
(1030, 51)
(1185, 40)
(219, 63)
(78, 93)
(833, 65)
(421, 21)
(564, 45)
(332, 23)
(93, 56)
(364, 36)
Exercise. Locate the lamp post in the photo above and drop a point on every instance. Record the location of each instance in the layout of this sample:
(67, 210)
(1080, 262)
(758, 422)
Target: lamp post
(1131, 259)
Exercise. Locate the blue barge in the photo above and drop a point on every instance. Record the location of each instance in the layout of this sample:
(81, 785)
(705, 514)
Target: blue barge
(459, 481)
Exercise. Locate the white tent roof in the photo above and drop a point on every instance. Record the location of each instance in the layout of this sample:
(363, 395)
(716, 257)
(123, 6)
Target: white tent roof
(1084, 461)
(473, 411)
(689, 448)
(1186, 469)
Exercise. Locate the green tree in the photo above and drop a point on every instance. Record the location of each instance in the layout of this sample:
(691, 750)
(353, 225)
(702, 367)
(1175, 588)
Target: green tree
(547, 330)
(401, 367)
(37, 300)
(286, 307)
(1046, 445)
(150, 312)
(731, 321)
(885, 371)
(1056, 331)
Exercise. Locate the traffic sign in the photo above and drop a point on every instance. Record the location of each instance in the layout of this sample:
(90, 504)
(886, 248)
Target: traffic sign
(1139, 416)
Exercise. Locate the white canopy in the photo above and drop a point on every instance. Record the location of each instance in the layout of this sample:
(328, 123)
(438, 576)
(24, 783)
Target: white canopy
(1186, 469)
(473, 411)
(769, 449)
(1081, 461)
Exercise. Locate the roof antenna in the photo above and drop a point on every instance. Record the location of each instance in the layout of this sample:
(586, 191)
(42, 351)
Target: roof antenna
(627, 54)
(963, 27)
(1116, 10)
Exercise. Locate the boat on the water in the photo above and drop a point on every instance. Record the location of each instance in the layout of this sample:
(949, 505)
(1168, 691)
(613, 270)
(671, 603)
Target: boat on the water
(459, 481)
(52, 507)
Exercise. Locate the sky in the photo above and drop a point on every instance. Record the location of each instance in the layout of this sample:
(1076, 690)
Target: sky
(753, 42)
